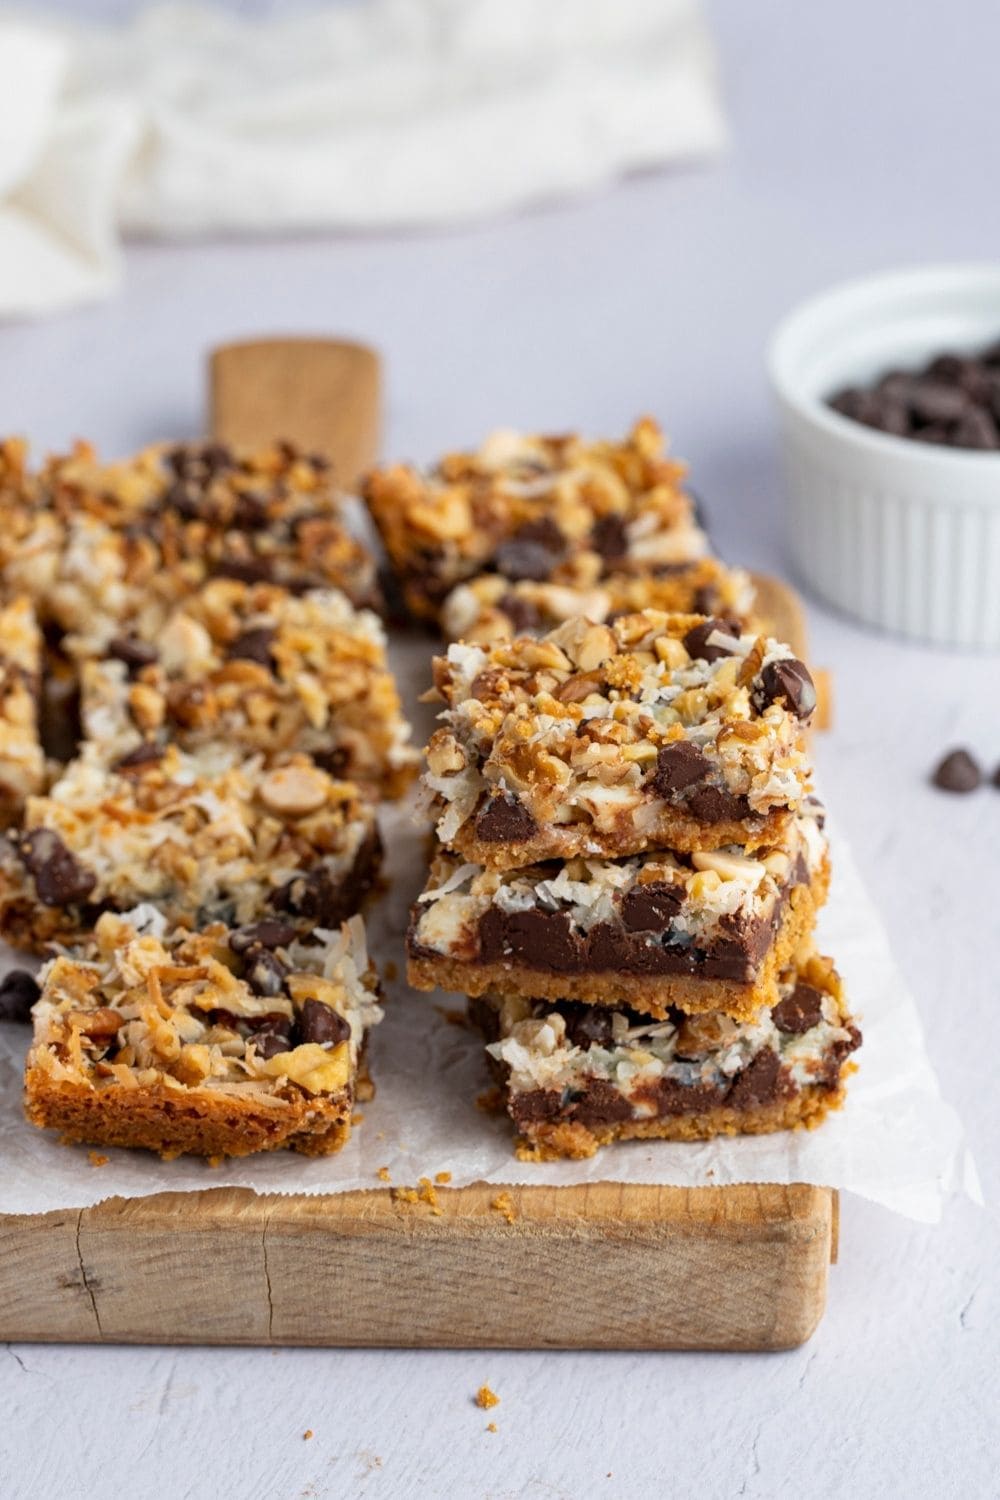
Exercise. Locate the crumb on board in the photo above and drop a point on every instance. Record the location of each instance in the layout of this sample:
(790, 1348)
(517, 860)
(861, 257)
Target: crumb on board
(97, 1158)
(485, 1398)
(356, 1120)
(442, 1177)
(490, 1101)
(492, 1427)
(503, 1203)
(307, 1434)
(215, 1161)
(383, 1174)
(391, 970)
(424, 1192)
(452, 1016)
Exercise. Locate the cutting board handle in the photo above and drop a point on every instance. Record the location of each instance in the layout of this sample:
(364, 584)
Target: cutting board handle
(324, 395)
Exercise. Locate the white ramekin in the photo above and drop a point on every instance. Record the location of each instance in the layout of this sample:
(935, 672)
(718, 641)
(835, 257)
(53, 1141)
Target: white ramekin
(901, 534)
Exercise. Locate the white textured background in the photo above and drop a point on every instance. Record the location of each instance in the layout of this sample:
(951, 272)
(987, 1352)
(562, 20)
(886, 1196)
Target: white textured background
(863, 137)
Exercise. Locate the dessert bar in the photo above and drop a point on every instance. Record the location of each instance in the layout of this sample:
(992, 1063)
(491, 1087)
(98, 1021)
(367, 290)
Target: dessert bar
(200, 836)
(535, 508)
(254, 667)
(100, 547)
(22, 762)
(490, 608)
(218, 1043)
(606, 740)
(708, 931)
(577, 1077)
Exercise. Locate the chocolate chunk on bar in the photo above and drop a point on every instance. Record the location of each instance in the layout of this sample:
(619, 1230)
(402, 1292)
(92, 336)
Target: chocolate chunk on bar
(22, 760)
(491, 608)
(709, 931)
(533, 509)
(105, 550)
(254, 667)
(168, 1040)
(201, 837)
(572, 1087)
(608, 740)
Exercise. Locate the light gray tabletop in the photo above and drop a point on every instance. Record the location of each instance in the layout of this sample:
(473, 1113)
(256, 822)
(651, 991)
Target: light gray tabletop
(864, 136)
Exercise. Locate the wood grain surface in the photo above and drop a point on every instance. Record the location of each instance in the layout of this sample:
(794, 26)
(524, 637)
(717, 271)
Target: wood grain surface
(606, 1266)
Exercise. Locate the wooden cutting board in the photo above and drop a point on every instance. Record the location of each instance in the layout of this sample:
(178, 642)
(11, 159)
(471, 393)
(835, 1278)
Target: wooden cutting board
(605, 1266)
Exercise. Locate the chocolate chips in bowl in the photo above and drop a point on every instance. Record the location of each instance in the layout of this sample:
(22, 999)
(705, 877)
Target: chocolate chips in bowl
(953, 399)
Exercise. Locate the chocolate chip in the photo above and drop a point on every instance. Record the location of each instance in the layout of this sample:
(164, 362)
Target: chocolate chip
(336, 761)
(714, 804)
(144, 754)
(525, 619)
(652, 907)
(505, 820)
(957, 772)
(790, 680)
(977, 429)
(696, 641)
(760, 1083)
(264, 972)
(800, 1011)
(996, 777)
(134, 653)
(321, 1023)
(59, 878)
(587, 1025)
(254, 645)
(678, 765)
(531, 553)
(609, 538)
(251, 512)
(18, 993)
(268, 933)
(269, 1043)
(245, 570)
(936, 401)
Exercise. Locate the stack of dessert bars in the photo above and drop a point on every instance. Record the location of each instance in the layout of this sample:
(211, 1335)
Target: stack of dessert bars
(628, 856)
(196, 723)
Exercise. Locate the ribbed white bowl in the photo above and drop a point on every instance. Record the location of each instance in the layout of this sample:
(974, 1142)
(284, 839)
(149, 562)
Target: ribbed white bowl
(903, 535)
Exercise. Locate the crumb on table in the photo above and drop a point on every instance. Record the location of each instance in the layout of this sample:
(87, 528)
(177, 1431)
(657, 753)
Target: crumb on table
(97, 1159)
(492, 1427)
(485, 1398)
(503, 1204)
(383, 1174)
(307, 1434)
(442, 1177)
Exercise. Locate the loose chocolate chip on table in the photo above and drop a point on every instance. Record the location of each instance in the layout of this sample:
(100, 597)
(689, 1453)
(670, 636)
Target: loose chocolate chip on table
(957, 772)
(59, 878)
(267, 933)
(696, 641)
(254, 645)
(18, 993)
(505, 820)
(788, 679)
(133, 652)
(678, 765)
(321, 1023)
(799, 1011)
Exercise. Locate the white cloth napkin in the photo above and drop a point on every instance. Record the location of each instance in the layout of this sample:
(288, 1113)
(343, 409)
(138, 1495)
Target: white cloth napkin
(390, 113)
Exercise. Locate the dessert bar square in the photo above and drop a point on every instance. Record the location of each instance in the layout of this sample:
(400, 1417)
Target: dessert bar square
(491, 608)
(535, 508)
(254, 667)
(100, 547)
(200, 836)
(709, 931)
(605, 740)
(218, 1043)
(22, 761)
(577, 1077)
